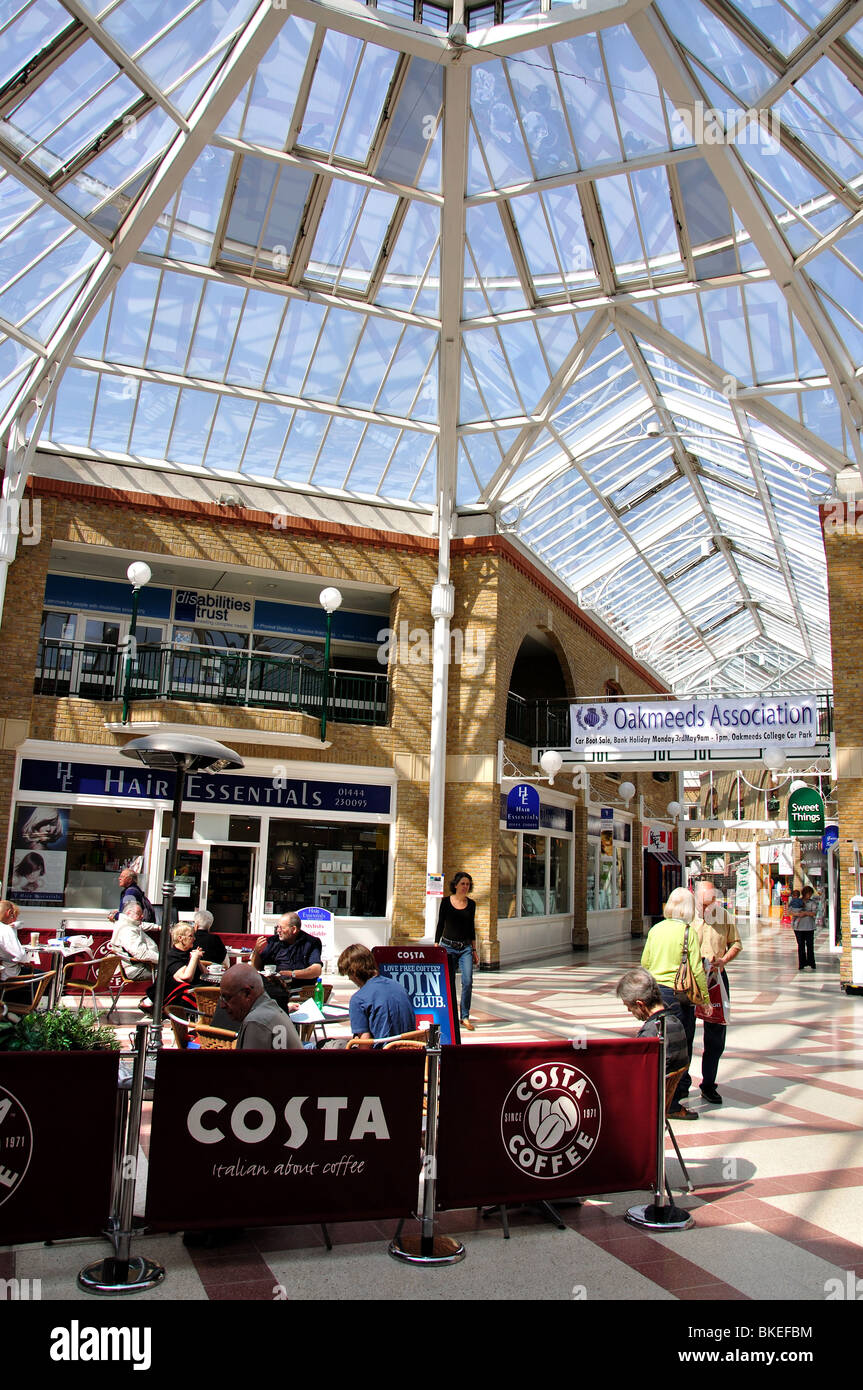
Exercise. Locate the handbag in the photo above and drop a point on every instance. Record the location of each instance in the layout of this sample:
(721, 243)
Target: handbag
(686, 990)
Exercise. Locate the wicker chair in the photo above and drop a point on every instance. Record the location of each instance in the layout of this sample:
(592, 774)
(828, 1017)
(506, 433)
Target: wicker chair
(20, 982)
(416, 1038)
(206, 1002)
(217, 1038)
(106, 981)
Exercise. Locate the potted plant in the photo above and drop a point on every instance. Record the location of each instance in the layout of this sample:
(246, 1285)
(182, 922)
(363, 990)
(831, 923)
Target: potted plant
(62, 1030)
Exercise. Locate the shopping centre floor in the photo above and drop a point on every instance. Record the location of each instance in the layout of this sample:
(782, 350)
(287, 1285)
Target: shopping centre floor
(778, 1168)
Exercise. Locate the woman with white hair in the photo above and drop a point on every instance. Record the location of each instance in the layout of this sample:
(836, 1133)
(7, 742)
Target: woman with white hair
(662, 956)
(212, 946)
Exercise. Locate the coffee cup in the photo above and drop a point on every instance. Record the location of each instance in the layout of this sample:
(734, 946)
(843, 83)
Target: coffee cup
(34, 938)
(269, 970)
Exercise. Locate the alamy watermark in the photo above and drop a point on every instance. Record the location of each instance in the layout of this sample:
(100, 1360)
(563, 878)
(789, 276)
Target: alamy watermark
(413, 646)
(706, 125)
(21, 518)
(843, 516)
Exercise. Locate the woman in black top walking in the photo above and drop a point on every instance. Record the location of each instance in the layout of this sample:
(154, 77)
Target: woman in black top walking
(456, 932)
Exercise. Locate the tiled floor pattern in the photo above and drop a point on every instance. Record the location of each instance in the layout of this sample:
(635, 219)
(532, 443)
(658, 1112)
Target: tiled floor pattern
(778, 1168)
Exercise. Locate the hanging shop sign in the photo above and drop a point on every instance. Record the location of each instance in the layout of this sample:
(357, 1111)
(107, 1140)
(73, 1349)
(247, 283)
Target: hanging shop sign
(830, 837)
(684, 725)
(97, 779)
(522, 807)
(805, 813)
(658, 839)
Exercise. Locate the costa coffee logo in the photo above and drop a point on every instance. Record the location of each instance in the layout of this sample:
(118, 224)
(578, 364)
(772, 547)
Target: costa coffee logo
(16, 1143)
(550, 1121)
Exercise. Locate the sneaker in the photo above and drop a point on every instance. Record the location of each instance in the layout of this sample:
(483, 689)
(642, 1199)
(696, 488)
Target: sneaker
(711, 1094)
(681, 1113)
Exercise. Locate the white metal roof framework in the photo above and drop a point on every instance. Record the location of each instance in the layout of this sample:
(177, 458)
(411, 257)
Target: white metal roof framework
(594, 270)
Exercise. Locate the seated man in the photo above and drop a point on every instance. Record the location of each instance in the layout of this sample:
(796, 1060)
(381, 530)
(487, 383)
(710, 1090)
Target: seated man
(264, 1027)
(295, 954)
(380, 1008)
(138, 953)
(212, 946)
(14, 959)
(639, 992)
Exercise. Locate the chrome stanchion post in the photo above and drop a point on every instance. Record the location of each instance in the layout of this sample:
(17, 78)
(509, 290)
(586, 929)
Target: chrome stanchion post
(427, 1248)
(121, 1273)
(661, 1214)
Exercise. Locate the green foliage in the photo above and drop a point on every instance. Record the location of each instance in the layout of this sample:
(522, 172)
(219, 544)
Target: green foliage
(64, 1030)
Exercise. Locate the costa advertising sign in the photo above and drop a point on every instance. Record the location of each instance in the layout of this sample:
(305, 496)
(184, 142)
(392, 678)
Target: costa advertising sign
(270, 1139)
(536, 1121)
(45, 1098)
(684, 725)
(424, 973)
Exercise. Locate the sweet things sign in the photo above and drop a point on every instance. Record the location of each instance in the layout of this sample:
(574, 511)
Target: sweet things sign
(276, 1138)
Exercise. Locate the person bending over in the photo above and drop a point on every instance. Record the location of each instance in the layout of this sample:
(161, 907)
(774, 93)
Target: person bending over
(380, 1008)
(638, 991)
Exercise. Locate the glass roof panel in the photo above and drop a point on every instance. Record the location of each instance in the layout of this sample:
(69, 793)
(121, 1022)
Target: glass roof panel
(541, 113)
(585, 85)
(413, 124)
(25, 29)
(264, 113)
(350, 236)
(15, 359)
(411, 278)
(169, 40)
(265, 214)
(38, 257)
(497, 126)
(775, 22)
(556, 244)
(491, 281)
(637, 97)
(719, 48)
(69, 108)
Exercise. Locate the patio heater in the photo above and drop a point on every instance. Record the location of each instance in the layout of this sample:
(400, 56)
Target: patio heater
(180, 754)
(122, 1273)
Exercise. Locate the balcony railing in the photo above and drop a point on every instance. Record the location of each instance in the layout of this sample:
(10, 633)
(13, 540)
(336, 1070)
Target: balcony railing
(214, 677)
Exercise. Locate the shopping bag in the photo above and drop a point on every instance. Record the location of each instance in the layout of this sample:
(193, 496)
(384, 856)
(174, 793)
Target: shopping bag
(785, 918)
(718, 998)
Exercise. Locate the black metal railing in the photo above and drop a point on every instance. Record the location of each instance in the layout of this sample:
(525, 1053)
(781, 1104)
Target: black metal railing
(546, 723)
(215, 677)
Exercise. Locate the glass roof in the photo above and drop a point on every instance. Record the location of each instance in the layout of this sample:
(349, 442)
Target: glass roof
(256, 241)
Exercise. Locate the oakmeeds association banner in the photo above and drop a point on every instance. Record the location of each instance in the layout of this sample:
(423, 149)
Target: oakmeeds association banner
(685, 725)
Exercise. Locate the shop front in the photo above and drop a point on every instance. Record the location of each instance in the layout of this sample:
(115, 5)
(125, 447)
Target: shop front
(609, 874)
(535, 883)
(252, 845)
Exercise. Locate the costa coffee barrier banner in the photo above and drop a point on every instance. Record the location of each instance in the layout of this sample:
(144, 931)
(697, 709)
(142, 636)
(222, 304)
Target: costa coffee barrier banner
(537, 1121)
(423, 971)
(276, 1138)
(46, 1097)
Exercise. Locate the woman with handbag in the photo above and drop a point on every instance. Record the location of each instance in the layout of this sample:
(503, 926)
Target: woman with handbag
(673, 956)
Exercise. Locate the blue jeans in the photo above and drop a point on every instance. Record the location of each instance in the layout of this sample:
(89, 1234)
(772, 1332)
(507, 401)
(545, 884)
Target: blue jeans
(463, 957)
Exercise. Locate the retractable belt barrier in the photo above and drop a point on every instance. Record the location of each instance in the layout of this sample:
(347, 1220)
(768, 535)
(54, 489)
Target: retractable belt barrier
(278, 1138)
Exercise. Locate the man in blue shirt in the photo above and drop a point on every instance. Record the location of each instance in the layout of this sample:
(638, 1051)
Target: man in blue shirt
(380, 1008)
(295, 954)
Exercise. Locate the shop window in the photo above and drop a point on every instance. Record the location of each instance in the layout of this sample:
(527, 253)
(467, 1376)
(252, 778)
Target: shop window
(559, 891)
(533, 862)
(507, 874)
(70, 856)
(340, 867)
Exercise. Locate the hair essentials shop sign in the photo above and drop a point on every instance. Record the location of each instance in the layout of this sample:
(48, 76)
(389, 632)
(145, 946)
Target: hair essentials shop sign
(645, 726)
